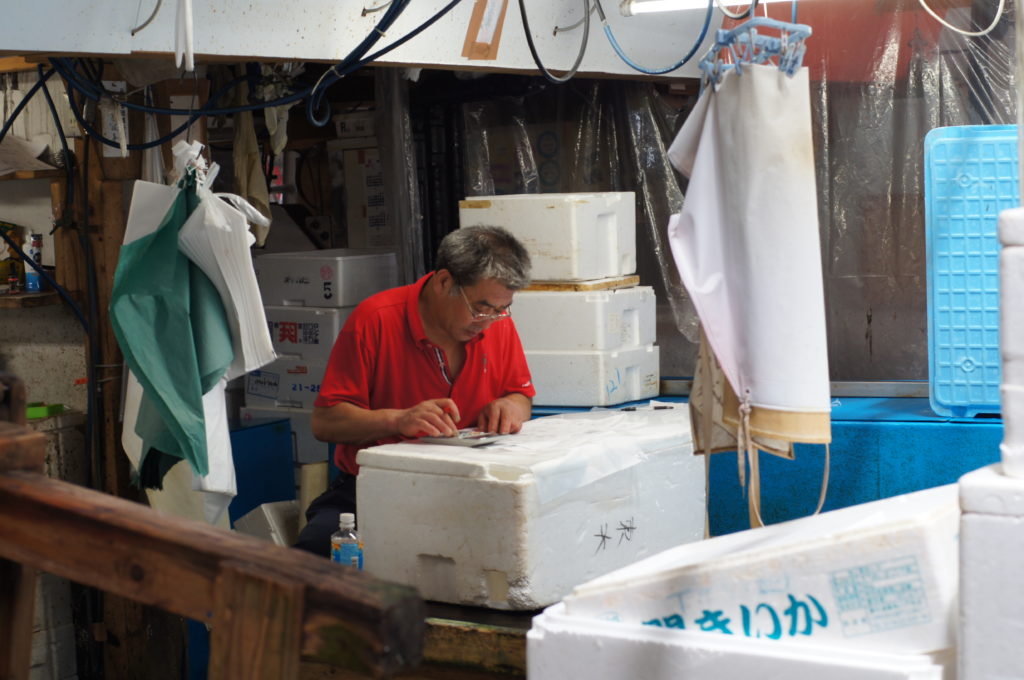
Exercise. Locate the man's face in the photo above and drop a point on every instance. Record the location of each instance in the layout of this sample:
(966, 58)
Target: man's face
(474, 308)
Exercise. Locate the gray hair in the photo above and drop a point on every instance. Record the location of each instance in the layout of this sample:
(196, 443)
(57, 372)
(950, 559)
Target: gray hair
(472, 254)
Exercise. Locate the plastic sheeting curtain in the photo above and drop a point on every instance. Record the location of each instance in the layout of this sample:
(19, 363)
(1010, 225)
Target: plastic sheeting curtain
(882, 73)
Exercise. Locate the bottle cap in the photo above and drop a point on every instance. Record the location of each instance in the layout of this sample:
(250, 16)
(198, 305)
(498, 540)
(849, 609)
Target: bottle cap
(347, 520)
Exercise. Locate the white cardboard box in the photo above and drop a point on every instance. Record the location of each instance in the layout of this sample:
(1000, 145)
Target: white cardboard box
(516, 524)
(306, 333)
(586, 320)
(306, 448)
(291, 383)
(991, 582)
(559, 646)
(594, 378)
(570, 237)
(881, 576)
(341, 277)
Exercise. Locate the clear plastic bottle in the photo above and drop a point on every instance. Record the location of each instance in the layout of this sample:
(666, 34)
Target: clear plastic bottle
(346, 546)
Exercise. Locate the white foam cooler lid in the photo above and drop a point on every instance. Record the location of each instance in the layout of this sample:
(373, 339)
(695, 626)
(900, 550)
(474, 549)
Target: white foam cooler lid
(347, 253)
(560, 453)
(806, 533)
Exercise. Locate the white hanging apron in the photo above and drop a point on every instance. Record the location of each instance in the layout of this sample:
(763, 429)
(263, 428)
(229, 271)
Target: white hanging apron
(746, 245)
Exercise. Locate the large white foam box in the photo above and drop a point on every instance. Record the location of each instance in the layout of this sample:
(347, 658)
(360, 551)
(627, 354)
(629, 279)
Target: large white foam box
(341, 277)
(518, 523)
(594, 378)
(991, 581)
(582, 320)
(560, 646)
(881, 576)
(287, 382)
(570, 237)
(306, 333)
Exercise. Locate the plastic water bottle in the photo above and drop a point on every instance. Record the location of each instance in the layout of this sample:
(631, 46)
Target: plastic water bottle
(33, 282)
(346, 546)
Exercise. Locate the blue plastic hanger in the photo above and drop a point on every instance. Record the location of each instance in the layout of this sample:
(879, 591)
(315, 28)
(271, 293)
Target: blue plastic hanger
(745, 44)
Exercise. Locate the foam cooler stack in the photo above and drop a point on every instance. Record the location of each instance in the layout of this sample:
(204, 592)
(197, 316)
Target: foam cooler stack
(587, 328)
(307, 297)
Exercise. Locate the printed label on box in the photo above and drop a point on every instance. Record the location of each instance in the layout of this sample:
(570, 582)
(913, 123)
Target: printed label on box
(295, 332)
(263, 384)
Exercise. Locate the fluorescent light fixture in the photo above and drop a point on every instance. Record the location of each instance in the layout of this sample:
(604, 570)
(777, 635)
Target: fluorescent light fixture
(630, 7)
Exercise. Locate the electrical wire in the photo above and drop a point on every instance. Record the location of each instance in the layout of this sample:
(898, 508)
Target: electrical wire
(565, 77)
(656, 71)
(570, 27)
(742, 15)
(148, 21)
(91, 91)
(69, 158)
(969, 34)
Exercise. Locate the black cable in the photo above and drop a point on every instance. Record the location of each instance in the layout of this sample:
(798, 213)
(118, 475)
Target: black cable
(533, 48)
(24, 102)
(69, 158)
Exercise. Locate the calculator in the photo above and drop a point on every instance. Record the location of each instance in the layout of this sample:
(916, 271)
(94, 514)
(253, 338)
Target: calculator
(466, 437)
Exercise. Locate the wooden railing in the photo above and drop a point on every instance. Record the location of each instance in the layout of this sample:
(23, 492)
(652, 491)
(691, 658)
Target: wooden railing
(267, 606)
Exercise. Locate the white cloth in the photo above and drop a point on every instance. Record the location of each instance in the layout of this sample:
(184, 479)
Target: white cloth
(746, 242)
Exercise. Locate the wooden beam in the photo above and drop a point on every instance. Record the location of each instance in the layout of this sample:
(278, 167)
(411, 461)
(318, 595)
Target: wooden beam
(349, 618)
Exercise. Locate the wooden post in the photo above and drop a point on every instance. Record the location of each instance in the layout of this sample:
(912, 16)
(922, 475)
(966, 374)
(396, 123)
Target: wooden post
(258, 630)
(17, 598)
(20, 449)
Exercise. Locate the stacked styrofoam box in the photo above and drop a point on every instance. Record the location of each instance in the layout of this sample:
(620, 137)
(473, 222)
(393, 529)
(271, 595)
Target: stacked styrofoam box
(991, 564)
(992, 499)
(877, 577)
(516, 524)
(307, 297)
(584, 347)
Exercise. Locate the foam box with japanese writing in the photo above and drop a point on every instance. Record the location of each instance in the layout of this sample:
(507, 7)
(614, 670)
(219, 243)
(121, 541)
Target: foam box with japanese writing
(307, 448)
(586, 320)
(559, 646)
(292, 383)
(991, 564)
(881, 576)
(341, 277)
(570, 237)
(517, 523)
(306, 333)
(594, 378)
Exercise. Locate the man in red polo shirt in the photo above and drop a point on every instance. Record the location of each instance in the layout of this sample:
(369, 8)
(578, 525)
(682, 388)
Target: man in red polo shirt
(424, 359)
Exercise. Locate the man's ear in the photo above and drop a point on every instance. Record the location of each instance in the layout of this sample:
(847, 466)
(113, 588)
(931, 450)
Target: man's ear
(444, 280)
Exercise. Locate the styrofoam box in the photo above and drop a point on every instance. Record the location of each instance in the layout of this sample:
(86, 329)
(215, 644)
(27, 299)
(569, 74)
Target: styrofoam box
(559, 646)
(516, 524)
(341, 277)
(306, 333)
(991, 564)
(570, 237)
(586, 320)
(881, 576)
(307, 448)
(594, 378)
(292, 383)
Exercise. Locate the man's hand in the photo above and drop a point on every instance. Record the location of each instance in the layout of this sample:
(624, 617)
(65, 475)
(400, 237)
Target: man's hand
(505, 415)
(432, 418)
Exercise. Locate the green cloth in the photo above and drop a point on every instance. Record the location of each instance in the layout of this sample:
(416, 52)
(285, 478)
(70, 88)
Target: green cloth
(170, 322)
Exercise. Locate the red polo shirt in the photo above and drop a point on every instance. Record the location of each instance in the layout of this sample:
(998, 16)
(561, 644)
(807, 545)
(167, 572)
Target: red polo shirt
(383, 359)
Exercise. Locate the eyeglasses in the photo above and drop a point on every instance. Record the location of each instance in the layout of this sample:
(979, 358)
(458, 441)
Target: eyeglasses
(499, 312)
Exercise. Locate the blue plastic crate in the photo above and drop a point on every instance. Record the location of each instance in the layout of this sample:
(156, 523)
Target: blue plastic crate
(970, 176)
